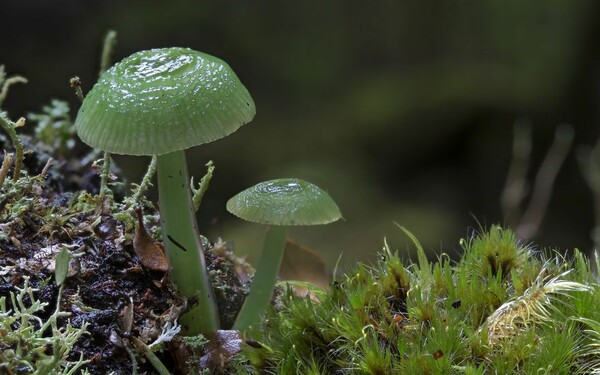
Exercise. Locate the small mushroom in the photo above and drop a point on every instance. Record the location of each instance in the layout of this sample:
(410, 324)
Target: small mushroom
(161, 102)
(279, 204)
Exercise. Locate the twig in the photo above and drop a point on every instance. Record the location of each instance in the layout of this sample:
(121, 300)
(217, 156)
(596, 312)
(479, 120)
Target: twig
(46, 168)
(515, 188)
(109, 43)
(589, 163)
(544, 182)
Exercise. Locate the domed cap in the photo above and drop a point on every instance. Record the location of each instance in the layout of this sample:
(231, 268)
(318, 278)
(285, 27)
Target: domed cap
(163, 100)
(287, 201)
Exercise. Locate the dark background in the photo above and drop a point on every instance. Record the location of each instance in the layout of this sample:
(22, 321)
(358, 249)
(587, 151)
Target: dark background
(403, 111)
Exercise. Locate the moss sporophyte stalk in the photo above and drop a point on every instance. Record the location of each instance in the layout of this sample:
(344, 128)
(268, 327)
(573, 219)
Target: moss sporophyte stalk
(161, 102)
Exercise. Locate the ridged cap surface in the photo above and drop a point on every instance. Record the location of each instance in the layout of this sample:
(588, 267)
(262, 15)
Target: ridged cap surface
(163, 100)
(287, 201)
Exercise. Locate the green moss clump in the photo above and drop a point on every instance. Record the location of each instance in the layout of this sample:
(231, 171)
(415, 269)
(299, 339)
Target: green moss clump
(501, 308)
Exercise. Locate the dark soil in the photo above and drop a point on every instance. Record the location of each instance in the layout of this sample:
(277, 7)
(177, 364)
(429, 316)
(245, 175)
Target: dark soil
(40, 215)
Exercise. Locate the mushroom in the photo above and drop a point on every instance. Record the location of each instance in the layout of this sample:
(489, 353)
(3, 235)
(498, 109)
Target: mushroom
(278, 203)
(161, 102)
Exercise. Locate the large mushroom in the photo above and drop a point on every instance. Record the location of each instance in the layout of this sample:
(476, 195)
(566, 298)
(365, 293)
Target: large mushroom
(278, 203)
(161, 102)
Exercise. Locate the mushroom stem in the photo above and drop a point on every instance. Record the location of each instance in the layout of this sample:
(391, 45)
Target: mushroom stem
(182, 244)
(265, 277)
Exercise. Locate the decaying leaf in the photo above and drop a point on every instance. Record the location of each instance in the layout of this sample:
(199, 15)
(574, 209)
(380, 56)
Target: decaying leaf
(303, 264)
(126, 319)
(46, 259)
(222, 345)
(150, 253)
(106, 227)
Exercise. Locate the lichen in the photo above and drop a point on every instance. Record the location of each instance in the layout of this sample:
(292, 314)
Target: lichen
(32, 345)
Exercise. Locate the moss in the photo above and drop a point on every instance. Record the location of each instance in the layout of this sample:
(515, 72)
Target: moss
(501, 308)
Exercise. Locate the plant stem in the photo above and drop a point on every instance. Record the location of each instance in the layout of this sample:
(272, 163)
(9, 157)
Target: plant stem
(109, 45)
(265, 277)
(10, 128)
(199, 193)
(544, 183)
(143, 186)
(7, 83)
(182, 244)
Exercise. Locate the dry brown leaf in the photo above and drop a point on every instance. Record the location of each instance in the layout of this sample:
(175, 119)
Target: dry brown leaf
(150, 253)
(303, 264)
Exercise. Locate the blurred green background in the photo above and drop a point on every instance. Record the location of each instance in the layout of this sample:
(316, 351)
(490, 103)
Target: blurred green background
(402, 110)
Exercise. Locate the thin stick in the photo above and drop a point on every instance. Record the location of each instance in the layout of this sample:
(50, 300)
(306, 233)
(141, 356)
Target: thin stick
(515, 188)
(46, 168)
(544, 182)
(590, 168)
(109, 44)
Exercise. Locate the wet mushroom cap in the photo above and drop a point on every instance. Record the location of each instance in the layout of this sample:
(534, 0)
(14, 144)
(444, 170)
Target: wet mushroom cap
(163, 100)
(287, 201)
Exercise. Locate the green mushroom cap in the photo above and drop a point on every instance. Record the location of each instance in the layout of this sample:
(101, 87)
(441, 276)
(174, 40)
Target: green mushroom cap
(163, 100)
(287, 201)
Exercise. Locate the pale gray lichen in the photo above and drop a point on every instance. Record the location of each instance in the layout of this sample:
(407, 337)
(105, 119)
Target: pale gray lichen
(32, 345)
